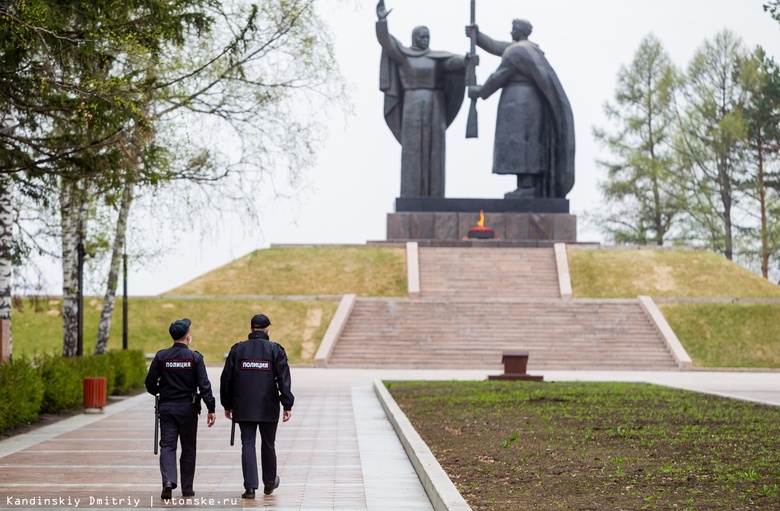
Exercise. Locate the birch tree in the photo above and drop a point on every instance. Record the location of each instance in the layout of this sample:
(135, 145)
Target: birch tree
(69, 109)
(267, 90)
(73, 205)
(109, 300)
(6, 249)
(78, 76)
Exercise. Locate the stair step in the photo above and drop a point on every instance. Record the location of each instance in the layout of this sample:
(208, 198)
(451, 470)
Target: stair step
(476, 303)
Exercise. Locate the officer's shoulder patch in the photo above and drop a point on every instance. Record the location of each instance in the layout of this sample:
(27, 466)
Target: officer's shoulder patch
(282, 347)
(199, 354)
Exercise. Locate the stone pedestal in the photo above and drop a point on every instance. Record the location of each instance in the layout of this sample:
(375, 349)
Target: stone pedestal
(507, 226)
(515, 363)
(528, 221)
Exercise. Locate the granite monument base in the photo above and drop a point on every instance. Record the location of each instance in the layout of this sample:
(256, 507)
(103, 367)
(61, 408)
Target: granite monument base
(527, 221)
(530, 227)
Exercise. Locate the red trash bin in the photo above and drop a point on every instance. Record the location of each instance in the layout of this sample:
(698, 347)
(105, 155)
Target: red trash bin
(94, 393)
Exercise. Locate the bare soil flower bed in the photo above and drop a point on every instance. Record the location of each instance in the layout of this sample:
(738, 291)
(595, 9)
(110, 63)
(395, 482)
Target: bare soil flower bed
(597, 446)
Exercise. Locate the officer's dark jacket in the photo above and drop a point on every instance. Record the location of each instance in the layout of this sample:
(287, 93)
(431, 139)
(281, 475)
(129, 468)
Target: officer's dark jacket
(176, 372)
(255, 380)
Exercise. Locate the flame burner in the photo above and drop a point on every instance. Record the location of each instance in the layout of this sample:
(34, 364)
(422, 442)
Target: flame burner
(480, 232)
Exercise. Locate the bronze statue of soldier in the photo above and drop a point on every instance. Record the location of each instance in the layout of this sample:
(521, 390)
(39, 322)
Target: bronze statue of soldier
(534, 125)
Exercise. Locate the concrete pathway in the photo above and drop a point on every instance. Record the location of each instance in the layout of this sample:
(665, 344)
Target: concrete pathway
(338, 452)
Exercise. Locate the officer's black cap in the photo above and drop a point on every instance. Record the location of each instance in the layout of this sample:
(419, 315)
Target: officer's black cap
(260, 321)
(179, 328)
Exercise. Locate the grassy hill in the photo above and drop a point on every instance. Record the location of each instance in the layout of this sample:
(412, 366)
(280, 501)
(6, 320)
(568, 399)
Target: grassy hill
(218, 318)
(714, 334)
(662, 274)
(727, 335)
(365, 271)
(216, 325)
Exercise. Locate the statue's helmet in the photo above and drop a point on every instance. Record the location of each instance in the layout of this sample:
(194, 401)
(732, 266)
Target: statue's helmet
(522, 26)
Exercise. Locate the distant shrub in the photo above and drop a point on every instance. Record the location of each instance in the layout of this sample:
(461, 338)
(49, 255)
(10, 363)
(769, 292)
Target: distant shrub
(63, 379)
(51, 383)
(22, 394)
(129, 370)
(63, 387)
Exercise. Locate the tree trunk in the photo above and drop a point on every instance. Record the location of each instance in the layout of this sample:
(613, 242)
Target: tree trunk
(762, 204)
(726, 199)
(6, 250)
(104, 326)
(73, 218)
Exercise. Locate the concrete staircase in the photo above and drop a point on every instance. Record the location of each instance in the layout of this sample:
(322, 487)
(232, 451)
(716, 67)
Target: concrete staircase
(476, 303)
(469, 334)
(488, 272)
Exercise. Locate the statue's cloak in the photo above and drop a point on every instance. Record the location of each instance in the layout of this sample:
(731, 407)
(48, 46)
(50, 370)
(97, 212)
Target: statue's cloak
(453, 86)
(530, 61)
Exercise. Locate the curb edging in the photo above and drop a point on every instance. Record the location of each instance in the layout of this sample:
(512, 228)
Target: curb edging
(443, 494)
(562, 265)
(413, 269)
(334, 330)
(674, 345)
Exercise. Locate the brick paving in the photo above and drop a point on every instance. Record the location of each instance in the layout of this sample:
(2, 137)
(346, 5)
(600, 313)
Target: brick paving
(337, 452)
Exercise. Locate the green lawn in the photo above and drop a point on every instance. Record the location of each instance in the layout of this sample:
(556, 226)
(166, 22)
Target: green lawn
(365, 271)
(662, 273)
(727, 335)
(216, 325)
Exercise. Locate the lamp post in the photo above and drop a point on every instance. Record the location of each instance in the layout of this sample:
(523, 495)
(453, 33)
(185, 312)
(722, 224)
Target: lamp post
(124, 298)
(80, 297)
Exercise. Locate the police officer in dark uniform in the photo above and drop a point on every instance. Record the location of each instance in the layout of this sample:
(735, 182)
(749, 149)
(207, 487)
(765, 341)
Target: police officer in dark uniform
(255, 381)
(178, 374)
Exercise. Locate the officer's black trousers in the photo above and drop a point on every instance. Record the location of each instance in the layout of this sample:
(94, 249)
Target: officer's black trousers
(178, 419)
(267, 452)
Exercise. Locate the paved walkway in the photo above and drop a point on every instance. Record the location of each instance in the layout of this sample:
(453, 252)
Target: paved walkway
(338, 451)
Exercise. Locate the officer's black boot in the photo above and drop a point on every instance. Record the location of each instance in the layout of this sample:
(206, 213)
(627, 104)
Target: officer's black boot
(270, 489)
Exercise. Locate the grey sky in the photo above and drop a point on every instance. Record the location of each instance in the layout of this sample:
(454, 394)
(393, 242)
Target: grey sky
(357, 177)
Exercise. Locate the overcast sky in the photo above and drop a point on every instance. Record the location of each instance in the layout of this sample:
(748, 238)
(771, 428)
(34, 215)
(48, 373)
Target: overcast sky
(357, 176)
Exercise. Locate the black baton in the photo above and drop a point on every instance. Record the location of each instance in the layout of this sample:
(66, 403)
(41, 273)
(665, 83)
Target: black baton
(232, 432)
(156, 420)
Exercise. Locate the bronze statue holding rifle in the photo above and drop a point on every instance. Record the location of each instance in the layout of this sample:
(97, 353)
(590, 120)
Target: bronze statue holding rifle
(472, 130)
(423, 91)
(534, 126)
